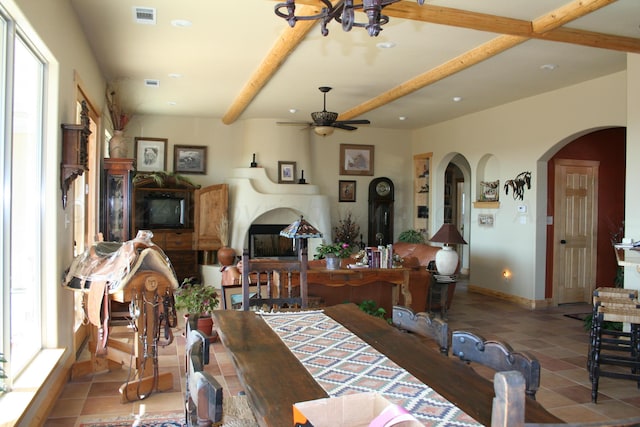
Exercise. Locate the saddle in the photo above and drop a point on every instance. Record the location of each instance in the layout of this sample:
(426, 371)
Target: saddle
(106, 268)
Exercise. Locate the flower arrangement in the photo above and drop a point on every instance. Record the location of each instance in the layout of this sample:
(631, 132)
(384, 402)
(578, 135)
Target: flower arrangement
(196, 298)
(340, 250)
(119, 118)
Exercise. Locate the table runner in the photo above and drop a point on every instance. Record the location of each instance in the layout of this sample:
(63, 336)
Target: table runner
(342, 363)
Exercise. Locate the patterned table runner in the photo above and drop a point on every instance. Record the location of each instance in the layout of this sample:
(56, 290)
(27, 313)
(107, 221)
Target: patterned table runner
(342, 364)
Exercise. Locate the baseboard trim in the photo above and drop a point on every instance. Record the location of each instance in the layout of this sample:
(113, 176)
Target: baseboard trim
(520, 301)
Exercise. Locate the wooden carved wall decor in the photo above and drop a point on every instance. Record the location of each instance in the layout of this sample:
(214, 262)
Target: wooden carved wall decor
(518, 184)
(74, 151)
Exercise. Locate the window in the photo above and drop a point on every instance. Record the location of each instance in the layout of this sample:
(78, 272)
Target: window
(23, 206)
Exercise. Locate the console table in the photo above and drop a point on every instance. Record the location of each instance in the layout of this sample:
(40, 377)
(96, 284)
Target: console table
(259, 356)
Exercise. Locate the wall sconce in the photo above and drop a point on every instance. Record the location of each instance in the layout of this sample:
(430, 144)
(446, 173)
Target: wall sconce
(506, 274)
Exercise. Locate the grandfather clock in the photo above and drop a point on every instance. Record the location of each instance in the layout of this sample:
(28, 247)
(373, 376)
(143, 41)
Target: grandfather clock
(381, 211)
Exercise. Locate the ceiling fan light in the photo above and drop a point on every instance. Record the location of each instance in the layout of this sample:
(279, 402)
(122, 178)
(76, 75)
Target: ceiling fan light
(324, 117)
(323, 130)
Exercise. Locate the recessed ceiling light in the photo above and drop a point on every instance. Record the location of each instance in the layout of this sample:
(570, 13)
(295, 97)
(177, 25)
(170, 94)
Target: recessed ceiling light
(402, 118)
(293, 110)
(181, 23)
(457, 98)
(548, 67)
(175, 75)
(172, 103)
(385, 45)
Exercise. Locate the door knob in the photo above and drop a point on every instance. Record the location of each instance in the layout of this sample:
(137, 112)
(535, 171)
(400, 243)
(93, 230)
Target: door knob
(563, 242)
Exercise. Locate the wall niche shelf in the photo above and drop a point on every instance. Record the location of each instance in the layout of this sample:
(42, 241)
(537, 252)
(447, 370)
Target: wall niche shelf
(486, 205)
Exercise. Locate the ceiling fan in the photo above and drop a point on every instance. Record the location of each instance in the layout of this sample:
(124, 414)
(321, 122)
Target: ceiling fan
(325, 121)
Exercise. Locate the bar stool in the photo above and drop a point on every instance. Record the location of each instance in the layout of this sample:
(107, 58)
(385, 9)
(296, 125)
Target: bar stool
(609, 297)
(621, 348)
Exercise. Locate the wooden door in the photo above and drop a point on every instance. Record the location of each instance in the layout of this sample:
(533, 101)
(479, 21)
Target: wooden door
(575, 234)
(211, 205)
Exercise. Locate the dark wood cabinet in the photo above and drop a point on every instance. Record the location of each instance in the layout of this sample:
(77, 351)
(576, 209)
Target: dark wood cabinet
(116, 199)
(167, 210)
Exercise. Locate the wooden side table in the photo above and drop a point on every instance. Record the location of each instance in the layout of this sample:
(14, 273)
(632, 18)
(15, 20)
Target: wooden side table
(440, 289)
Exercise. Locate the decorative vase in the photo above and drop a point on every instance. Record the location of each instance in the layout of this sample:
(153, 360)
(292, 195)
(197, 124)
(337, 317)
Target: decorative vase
(226, 256)
(118, 145)
(333, 262)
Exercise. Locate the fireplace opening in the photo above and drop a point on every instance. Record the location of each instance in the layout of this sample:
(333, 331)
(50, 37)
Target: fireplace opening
(265, 241)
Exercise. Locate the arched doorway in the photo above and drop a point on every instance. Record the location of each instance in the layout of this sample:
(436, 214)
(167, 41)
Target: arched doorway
(607, 147)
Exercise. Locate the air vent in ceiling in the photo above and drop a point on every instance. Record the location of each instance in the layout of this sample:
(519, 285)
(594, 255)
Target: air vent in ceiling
(144, 15)
(152, 82)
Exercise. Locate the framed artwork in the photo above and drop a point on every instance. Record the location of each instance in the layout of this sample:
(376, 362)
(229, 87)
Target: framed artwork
(151, 154)
(490, 191)
(286, 172)
(485, 220)
(356, 159)
(232, 296)
(347, 191)
(190, 159)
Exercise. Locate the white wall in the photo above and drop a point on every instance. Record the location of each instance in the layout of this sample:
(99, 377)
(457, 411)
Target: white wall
(632, 201)
(519, 134)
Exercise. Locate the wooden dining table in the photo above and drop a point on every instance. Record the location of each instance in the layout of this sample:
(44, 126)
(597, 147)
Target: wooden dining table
(274, 379)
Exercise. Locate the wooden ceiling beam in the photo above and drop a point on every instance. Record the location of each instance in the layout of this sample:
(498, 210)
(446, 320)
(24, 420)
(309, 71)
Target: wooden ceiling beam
(546, 29)
(485, 51)
(286, 43)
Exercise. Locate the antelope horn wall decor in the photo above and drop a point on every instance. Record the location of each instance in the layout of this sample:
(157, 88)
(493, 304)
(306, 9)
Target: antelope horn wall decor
(518, 184)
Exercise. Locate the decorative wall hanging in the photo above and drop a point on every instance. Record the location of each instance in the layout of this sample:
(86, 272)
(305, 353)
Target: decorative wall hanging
(518, 184)
(490, 191)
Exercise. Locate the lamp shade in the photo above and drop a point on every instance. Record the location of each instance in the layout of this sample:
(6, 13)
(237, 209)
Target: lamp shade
(449, 235)
(300, 229)
(447, 258)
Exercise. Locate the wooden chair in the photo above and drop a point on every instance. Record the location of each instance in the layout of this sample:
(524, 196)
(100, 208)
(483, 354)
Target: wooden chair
(509, 403)
(421, 323)
(498, 356)
(274, 281)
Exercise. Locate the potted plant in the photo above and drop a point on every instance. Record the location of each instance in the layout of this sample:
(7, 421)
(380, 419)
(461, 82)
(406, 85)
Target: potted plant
(411, 236)
(333, 253)
(199, 301)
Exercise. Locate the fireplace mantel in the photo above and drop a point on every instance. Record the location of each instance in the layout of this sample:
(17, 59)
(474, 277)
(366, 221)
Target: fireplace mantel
(252, 194)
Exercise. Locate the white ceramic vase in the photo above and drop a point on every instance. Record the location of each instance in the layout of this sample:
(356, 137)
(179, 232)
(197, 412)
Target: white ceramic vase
(118, 145)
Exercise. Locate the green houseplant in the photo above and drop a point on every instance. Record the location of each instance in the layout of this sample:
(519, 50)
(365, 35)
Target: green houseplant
(411, 236)
(199, 301)
(333, 253)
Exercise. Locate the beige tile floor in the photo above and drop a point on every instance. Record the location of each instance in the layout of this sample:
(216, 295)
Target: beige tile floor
(559, 342)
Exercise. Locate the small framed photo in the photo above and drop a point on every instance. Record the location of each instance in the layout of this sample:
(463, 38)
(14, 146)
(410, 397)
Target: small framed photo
(232, 296)
(356, 159)
(151, 154)
(190, 159)
(485, 220)
(347, 191)
(286, 172)
(490, 191)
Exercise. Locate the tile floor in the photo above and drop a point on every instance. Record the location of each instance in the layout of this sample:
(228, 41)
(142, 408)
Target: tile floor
(559, 342)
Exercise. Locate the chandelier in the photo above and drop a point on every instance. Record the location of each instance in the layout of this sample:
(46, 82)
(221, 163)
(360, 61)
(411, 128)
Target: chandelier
(343, 12)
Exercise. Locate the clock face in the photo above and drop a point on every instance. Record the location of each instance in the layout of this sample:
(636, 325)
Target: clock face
(383, 188)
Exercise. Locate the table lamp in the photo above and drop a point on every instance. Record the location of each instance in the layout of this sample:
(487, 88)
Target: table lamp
(447, 257)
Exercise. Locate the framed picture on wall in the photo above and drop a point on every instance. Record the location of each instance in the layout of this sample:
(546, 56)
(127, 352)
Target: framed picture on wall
(356, 159)
(190, 159)
(151, 154)
(232, 296)
(286, 172)
(347, 191)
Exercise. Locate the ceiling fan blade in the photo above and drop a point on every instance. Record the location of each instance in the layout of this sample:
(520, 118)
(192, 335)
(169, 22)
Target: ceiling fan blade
(295, 123)
(355, 122)
(341, 125)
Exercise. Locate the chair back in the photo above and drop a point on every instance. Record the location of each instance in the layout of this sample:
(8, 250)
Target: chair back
(421, 323)
(498, 356)
(272, 283)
